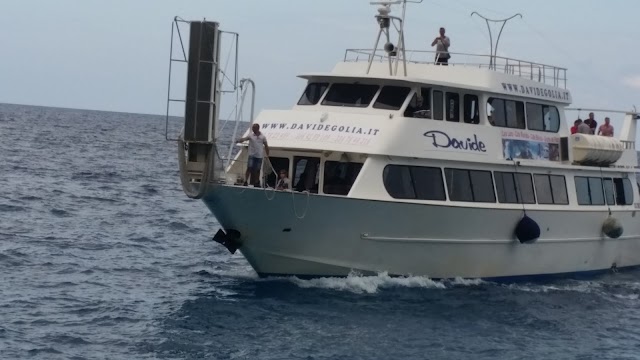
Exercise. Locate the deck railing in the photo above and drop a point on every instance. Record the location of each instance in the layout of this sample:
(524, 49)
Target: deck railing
(629, 145)
(547, 74)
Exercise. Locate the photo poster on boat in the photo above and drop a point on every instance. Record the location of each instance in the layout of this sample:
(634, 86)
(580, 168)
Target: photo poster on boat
(517, 144)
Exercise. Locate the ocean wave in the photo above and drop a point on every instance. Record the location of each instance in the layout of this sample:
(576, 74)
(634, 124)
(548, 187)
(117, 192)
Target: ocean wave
(11, 208)
(60, 213)
(90, 175)
(359, 284)
(43, 350)
(67, 339)
(577, 286)
(30, 198)
(177, 225)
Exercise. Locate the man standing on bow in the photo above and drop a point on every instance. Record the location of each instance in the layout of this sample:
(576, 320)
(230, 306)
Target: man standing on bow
(442, 49)
(257, 148)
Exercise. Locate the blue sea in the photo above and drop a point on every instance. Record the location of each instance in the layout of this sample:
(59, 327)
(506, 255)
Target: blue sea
(103, 257)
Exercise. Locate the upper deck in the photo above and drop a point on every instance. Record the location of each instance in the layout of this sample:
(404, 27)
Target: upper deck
(546, 74)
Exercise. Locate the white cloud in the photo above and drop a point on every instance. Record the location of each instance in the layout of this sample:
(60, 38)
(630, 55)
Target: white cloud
(632, 81)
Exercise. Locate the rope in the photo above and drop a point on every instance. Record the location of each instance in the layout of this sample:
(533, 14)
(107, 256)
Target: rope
(264, 176)
(270, 192)
(224, 124)
(295, 210)
(604, 191)
(517, 183)
(273, 192)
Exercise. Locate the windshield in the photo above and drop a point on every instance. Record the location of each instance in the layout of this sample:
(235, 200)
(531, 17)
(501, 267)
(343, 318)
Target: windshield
(354, 95)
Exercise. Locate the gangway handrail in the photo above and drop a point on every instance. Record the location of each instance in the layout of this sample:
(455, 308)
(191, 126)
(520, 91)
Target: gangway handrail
(240, 111)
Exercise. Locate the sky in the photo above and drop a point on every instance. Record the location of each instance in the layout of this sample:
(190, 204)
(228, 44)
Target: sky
(114, 55)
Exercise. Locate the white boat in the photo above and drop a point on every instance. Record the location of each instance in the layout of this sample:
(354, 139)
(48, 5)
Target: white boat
(403, 166)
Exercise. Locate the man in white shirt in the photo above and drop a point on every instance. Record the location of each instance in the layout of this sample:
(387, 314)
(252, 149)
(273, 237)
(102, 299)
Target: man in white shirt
(257, 148)
(442, 49)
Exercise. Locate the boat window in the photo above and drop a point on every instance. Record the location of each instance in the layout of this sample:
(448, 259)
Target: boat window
(551, 118)
(551, 189)
(589, 190)
(624, 191)
(278, 164)
(313, 93)
(506, 113)
(559, 189)
(582, 190)
(427, 182)
(514, 188)
(397, 181)
(305, 174)
(339, 177)
(459, 185)
(420, 107)
(355, 95)
(595, 190)
(482, 186)
(471, 109)
(534, 117)
(438, 101)
(495, 112)
(515, 114)
(391, 97)
(470, 185)
(453, 107)
(414, 182)
(609, 192)
(543, 118)
(543, 189)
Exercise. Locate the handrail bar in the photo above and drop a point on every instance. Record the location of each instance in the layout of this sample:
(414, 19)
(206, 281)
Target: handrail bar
(364, 51)
(543, 73)
(633, 112)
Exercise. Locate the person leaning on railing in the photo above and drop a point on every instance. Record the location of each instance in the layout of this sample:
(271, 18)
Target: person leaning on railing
(606, 129)
(593, 124)
(442, 49)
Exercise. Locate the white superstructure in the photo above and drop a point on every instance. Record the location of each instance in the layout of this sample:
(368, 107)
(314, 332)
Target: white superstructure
(401, 165)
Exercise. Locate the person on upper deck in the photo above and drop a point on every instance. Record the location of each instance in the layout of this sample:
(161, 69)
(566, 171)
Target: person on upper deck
(583, 128)
(593, 124)
(606, 129)
(257, 148)
(574, 128)
(442, 49)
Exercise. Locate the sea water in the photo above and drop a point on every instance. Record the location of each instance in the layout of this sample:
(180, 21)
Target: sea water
(103, 257)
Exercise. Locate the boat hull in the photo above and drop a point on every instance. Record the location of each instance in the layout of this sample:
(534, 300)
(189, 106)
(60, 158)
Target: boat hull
(284, 233)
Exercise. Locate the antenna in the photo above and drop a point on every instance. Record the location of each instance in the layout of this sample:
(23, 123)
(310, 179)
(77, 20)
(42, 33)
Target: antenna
(494, 51)
(385, 20)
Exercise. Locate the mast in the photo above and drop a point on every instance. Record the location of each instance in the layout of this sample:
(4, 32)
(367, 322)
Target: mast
(394, 53)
